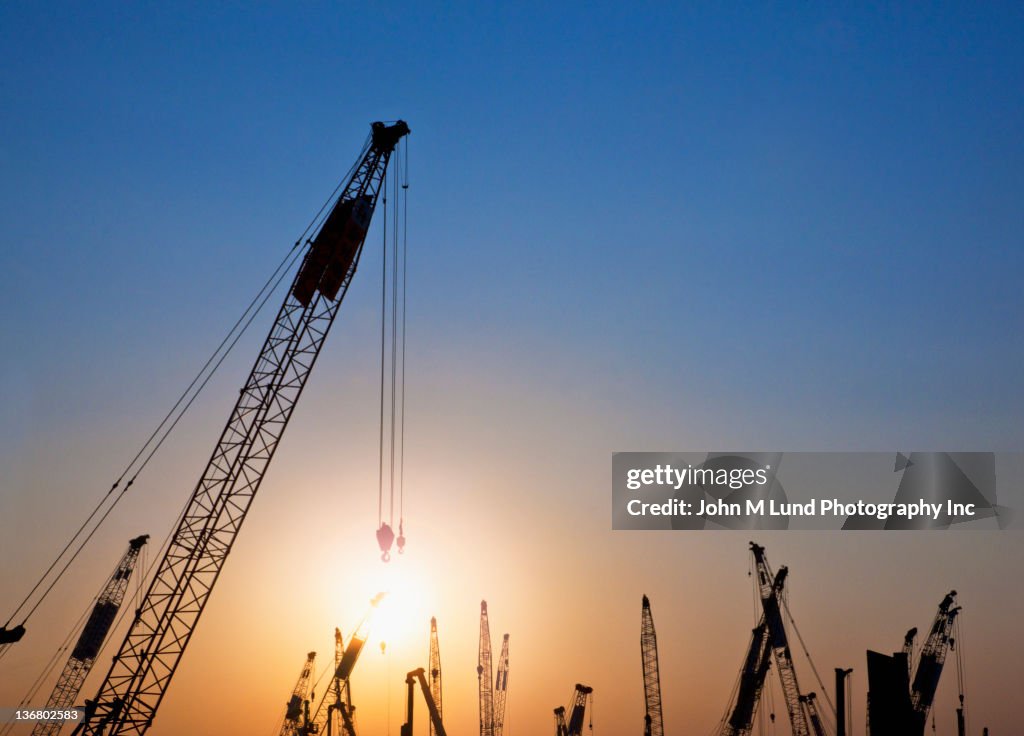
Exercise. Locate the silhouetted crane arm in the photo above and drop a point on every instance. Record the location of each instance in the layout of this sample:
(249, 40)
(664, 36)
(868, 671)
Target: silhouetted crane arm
(144, 666)
(933, 657)
(771, 604)
(501, 688)
(435, 672)
(653, 725)
(296, 713)
(94, 633)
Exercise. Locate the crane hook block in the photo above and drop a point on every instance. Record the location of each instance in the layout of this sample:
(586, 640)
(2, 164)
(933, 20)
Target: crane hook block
(401, 539)
(385, 538)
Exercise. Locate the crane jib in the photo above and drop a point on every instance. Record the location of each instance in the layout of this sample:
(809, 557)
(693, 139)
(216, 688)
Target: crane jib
(147, 660)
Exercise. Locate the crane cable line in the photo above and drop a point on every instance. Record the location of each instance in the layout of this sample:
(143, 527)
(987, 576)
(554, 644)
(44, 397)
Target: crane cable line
(292, 256)
(230, 340)
(961, 672)
(824, 690)
(391, 436)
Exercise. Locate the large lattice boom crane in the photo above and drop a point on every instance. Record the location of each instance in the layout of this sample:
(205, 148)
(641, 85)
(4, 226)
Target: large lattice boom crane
(144, 666)
(324, 719)
(561, 727)
(653, 725)
(501, 688)
(933, 657)
(755, 669)
(579, 709)
(484, 674)
(94, 633)
(771, 603)
(810, 704)
(296, 711)
(435, 672)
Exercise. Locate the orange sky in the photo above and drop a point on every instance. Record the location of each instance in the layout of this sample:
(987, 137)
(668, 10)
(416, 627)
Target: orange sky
(508, 500)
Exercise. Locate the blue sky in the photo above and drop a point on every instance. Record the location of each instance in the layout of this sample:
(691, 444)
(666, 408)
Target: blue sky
(789, 226)
(784, 204)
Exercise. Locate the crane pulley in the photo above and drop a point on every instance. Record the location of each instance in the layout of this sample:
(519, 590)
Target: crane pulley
(493, 690)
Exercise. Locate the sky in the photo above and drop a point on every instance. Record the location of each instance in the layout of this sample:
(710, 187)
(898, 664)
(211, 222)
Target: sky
(631, 227)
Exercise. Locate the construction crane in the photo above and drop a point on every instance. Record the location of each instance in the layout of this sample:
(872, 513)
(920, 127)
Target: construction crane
(577, 713)
(347, 663)
(897, 707)
(325, 711)
(493, 691)
(296, 713)
(561, 727)
(336, 699)
(435, 673)
(771, 604)
(483, 675)
(144, 666)
(501, 688)
(436, 726)
(768, 641)
(933, 657)
(340, 689)
(755, 669)
(810, 704)
(94, 633)
(653, 725)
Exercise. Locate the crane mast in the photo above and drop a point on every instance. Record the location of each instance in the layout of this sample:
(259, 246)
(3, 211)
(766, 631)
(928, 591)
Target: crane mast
(484, 675)
(933, 657)
(95, 631)
(771, 604)
(144, 666)
(435, 672)
(501, 688)
(652, 682)
(296, 714)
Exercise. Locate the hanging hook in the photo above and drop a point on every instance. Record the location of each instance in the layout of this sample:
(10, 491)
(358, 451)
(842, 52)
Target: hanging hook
(385, 538)
(401, 539)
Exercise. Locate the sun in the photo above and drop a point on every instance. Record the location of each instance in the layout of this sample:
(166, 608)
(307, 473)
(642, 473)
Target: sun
(401, 619)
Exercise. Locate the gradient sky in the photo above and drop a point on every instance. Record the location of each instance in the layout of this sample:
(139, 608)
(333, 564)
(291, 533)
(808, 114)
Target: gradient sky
(632, 227)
